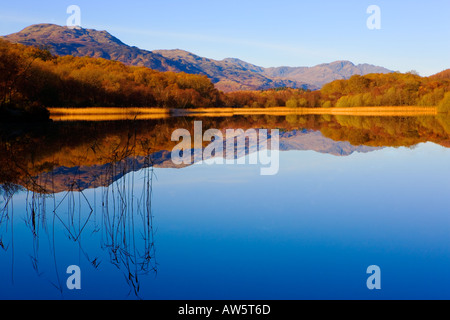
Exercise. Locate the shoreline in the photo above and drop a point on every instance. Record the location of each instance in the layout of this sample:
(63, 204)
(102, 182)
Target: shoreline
(111, 114)
(356, 111)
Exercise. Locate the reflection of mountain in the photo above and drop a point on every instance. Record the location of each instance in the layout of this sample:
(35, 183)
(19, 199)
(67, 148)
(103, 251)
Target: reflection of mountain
(99, 175)
(80, 155)
(117, 230)
(85, 177)
(314, 140)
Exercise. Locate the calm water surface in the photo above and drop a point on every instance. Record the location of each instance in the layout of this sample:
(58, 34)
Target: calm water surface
(350, 193)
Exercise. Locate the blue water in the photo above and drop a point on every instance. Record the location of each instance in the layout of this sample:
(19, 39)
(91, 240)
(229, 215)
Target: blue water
(226, 232)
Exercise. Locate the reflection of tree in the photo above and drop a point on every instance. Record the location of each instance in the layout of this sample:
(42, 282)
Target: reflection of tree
(125, 229)
(28, 156)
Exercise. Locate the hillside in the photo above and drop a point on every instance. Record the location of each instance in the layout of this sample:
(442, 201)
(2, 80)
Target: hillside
(32, 80)
(228, 75)
(441, 75)
(100, 44)
(83, 42)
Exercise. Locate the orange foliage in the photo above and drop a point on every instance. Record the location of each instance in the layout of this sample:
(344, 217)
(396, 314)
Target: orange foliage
(31, 77)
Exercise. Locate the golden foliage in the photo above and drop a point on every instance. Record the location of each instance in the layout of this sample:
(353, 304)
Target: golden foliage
(31, 77)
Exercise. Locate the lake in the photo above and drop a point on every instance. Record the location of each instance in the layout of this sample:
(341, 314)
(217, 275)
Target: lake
(350, 192)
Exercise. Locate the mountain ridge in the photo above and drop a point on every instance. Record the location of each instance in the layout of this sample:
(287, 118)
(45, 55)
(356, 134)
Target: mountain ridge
(230, 74)
(325, 72)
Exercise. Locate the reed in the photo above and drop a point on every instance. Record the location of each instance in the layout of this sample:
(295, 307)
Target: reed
(281, 111)
(107, 117)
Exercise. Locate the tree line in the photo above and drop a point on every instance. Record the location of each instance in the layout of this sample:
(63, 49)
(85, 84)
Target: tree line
(27, 151)
(393, 89)
(31, 79)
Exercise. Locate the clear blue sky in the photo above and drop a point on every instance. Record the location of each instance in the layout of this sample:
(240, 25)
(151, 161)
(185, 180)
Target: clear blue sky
(414, 35)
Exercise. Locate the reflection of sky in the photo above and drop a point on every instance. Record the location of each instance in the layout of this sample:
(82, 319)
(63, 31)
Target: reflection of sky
(225, 232)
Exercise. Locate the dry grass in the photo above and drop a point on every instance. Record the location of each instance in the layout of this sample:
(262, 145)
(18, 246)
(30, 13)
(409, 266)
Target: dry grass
(113, 114)
(107, 111)
(376, 111)
(107, 117)
(281, 111)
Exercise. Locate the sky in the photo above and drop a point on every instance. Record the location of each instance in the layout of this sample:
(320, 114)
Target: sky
(414, 35)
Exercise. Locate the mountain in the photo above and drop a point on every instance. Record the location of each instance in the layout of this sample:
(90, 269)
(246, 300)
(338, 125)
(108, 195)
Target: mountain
(324, 73)
(92, 43)
(230, 74)
(100, 44)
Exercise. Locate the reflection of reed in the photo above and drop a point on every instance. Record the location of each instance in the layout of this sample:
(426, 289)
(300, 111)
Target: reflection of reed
(122, 206)
(35, 220)
(7, 220)
(126, 229)
(7, 193)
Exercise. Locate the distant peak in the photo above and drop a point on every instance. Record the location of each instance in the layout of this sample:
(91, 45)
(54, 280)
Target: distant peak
(180, 51)
(64, 33)
(232, 60)
(243, 64)
(40, 26)
(341, 63)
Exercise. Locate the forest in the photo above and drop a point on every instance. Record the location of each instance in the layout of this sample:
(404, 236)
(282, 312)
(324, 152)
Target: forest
(394, 89)
(32, 80)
